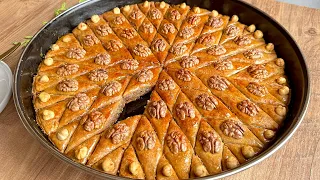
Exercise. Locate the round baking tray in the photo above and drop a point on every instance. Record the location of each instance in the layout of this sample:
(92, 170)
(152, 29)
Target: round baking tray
(285, 47)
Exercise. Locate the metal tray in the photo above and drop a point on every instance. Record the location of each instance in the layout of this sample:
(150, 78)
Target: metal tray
(285, 47)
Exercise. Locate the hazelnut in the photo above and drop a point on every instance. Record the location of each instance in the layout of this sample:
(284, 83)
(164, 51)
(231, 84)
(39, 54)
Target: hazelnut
(82, 26)
(281, 80)
(268, 134)
(146, 4)
(247, 152)
(63, 134)
(234, 18)
(251, 28)
(55, 47)
(214, 13)
(279, 62)
(270, 47)
(66, 39)
(258, 34)
(44, 97)
(232, 162)
(167, 170)
(116, 10)
(82, 153)
(281, 110)
(108, 165)
(196, 10)
(200, 171)
(48, 61)
(183, 5)
(133, 168)
(284, 90)
(47, 115)
(162, 4)
(126, 8)
(44, 78)
(95, 18)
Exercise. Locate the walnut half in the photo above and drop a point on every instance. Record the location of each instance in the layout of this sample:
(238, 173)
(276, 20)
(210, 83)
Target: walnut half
(76, 53)
(184, 75)
(67, 69)
(98, 75)
(141, 50)
(210, 142)
(158, 45)
(118, 133)
(189, 61)
(68, 85)
(111, 88)
(258, 71)
(166, 85)
(257, 89)
(206, 102)
(157, 109)
(146, 140)
(145, 75)
(219, 83)
(184, 110)
(79, 102)
(94, 121)
(248, 107)
(176, 142)
(232, 129)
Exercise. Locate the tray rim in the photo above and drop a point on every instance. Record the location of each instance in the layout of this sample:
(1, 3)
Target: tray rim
(252, 162)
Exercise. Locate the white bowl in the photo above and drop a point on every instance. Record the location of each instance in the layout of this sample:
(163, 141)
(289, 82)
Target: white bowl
(5, 85)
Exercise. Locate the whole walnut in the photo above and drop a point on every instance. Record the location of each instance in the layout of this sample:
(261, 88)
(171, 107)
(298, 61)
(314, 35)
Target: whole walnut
(157, 109)
(79, 102)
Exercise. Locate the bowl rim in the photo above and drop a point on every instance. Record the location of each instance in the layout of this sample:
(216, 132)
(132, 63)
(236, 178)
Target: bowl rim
(262, 156)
